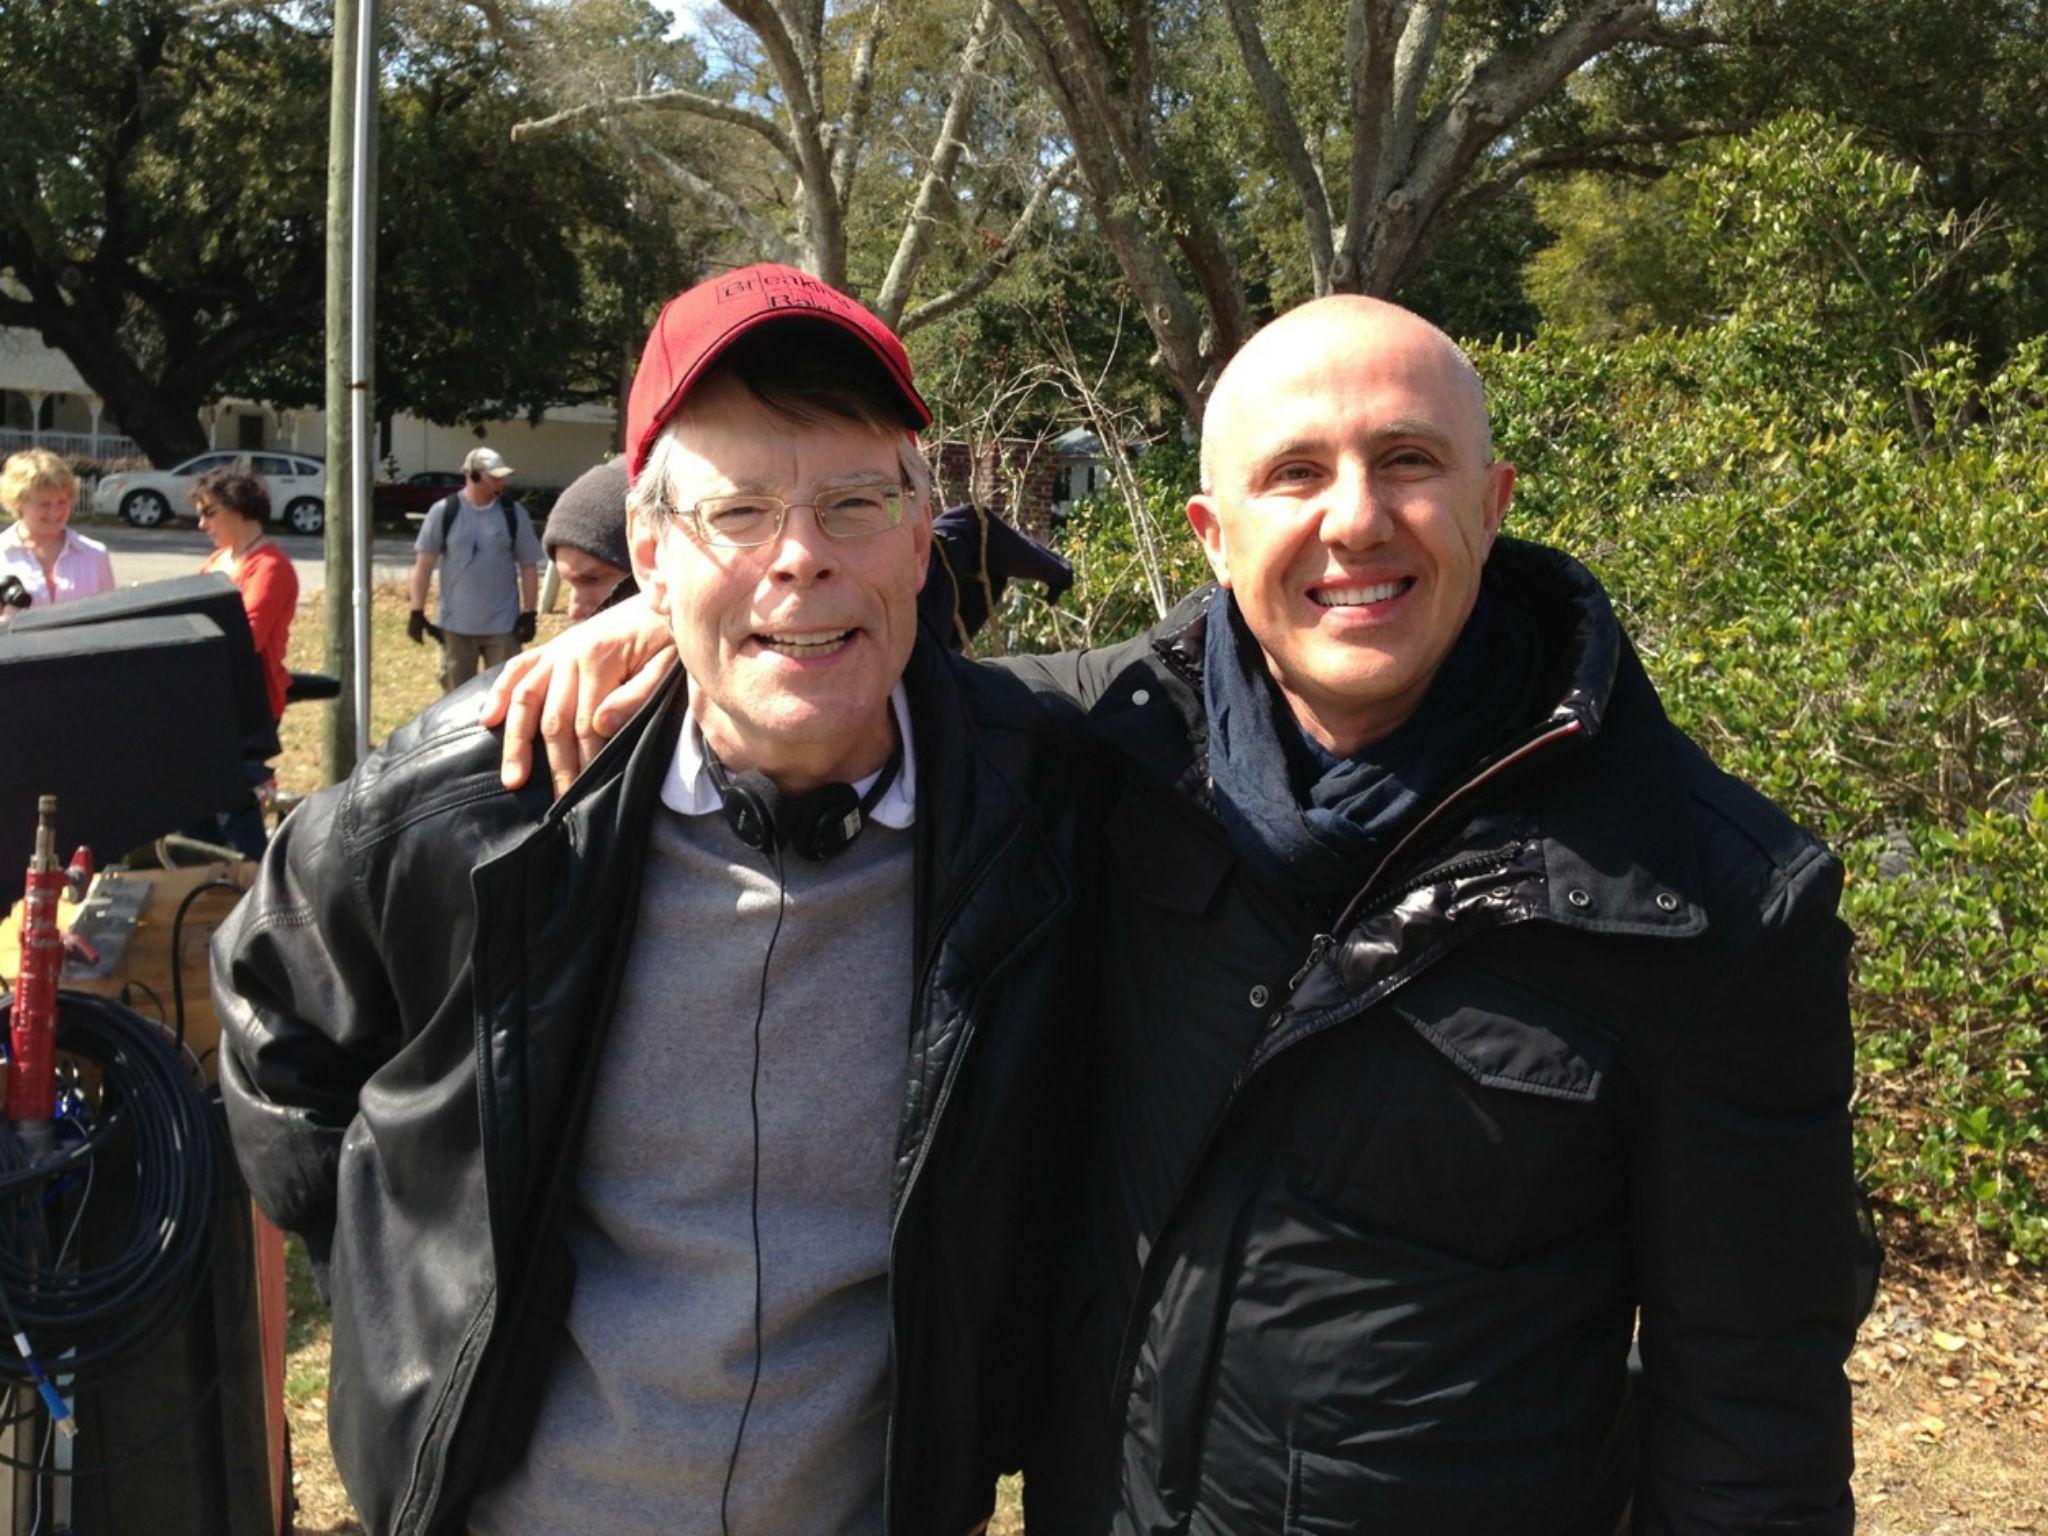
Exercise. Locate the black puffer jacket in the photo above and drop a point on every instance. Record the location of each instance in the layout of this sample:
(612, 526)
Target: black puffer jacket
(416, 990)
(1372, 1216)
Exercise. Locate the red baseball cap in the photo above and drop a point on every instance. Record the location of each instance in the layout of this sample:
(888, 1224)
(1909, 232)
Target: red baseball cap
(696, 326)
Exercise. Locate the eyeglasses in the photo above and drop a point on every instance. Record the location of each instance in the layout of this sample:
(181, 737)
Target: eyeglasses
(745, 520)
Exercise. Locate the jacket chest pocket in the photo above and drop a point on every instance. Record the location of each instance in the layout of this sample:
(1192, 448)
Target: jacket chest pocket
(1478, 1124)
(1188, 955)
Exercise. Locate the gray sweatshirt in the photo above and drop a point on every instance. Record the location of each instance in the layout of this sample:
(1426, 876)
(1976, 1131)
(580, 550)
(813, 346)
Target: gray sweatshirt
(650, 1375)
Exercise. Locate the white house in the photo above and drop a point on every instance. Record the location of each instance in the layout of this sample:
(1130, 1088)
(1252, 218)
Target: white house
(44, 403)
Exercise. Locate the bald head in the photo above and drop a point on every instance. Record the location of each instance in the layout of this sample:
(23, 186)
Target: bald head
(1349, 499)
(1341, 325)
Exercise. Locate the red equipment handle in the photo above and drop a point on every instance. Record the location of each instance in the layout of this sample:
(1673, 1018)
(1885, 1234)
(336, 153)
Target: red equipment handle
(32, 1028)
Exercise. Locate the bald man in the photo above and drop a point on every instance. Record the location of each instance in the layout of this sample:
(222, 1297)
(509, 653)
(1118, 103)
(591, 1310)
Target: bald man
(1461, 1024)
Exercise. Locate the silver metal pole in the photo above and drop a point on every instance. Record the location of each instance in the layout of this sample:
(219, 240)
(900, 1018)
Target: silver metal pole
(362, 221)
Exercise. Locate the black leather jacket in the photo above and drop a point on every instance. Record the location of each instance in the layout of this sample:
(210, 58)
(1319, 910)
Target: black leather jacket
(415, 993)
(1380, 1193)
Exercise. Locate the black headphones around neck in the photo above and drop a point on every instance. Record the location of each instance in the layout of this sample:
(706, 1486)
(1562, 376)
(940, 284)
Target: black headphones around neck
(815, 824)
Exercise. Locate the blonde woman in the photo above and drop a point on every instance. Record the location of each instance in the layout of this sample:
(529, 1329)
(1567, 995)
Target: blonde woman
(53, 562)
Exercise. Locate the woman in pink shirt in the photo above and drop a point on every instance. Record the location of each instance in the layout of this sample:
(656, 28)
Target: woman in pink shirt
(233, 507)
(47, 561)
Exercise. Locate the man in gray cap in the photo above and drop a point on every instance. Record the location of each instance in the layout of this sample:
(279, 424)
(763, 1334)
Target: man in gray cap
(490, 571)
(586, 539)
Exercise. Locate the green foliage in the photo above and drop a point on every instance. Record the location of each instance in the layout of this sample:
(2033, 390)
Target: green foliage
(1474, 280)
(163, 184)
(1828, 535)
(1623, 258)
(1950, 92)
(1110, 600)
(1854, 624)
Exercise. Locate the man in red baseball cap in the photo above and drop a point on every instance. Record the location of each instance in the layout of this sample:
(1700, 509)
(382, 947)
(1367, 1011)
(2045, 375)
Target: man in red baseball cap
(671, 1159)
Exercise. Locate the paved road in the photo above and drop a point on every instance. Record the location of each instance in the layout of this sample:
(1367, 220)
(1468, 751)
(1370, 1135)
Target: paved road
(153, 554)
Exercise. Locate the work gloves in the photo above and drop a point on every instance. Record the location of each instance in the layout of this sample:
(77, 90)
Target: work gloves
(527, 627)
(417, 629)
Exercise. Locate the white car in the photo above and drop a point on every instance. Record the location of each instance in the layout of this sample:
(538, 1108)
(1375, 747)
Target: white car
(147, 497)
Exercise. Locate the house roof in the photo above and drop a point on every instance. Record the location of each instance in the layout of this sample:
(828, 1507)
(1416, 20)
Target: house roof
(28, 363)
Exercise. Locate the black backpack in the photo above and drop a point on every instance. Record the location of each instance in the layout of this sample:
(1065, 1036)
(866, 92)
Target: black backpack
(505, 505)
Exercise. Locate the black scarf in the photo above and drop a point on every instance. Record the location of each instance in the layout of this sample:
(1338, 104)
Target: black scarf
(1319, 823)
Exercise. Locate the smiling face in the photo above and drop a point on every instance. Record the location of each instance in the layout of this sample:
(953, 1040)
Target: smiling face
(44, 511)
(793, 645)
(1350, 505)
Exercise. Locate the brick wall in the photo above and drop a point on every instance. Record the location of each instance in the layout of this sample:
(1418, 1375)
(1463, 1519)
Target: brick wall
(1016, 478)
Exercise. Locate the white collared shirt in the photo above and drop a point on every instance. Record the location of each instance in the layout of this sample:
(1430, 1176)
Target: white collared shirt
(83, 568)
(688, 789)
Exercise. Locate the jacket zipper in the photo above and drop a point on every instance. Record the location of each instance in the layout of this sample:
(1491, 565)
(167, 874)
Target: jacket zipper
(414, 1509)
(1262, 1054)
(920, 1004)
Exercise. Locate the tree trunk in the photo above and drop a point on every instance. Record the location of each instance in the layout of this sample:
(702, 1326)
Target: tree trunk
(163, 422)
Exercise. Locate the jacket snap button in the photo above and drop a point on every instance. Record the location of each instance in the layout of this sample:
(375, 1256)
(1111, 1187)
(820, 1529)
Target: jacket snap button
(1578, 898)
(1142, 696)
(1259, 996)
(1667, 901)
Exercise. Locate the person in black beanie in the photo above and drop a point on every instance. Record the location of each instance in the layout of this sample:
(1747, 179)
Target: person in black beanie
(586, 539)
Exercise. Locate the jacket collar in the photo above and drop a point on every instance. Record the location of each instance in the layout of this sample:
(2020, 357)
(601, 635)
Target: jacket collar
(1599, 767)
(972, 825)
(967, 813)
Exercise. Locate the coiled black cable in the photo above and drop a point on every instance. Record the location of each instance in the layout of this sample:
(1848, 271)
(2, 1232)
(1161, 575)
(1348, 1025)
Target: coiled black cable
(153, 1131)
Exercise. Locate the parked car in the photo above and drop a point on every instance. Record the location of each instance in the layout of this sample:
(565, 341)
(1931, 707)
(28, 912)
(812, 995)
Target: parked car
(412, 497)
(147, 497)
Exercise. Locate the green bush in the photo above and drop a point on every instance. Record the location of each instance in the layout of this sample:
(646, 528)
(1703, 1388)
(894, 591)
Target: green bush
(1111, 598)
(1829, 540)
(1852, 621)
(1855, 624)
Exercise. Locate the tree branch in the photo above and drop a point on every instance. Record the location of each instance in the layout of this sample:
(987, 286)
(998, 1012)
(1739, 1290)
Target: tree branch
(795, 66)
(1086, 55)
(850, 139)
(1414, 58)
(998, 261)
(940, 169)
(1284, 129)
(1371, 36)
(757, 231)
(1129, 123)
(786, 58)
(1115, 202)
(1591, 152)
(1492, 99)
(693, 102)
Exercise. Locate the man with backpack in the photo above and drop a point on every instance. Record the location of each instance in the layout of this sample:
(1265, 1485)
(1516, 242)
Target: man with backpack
(484, 544)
